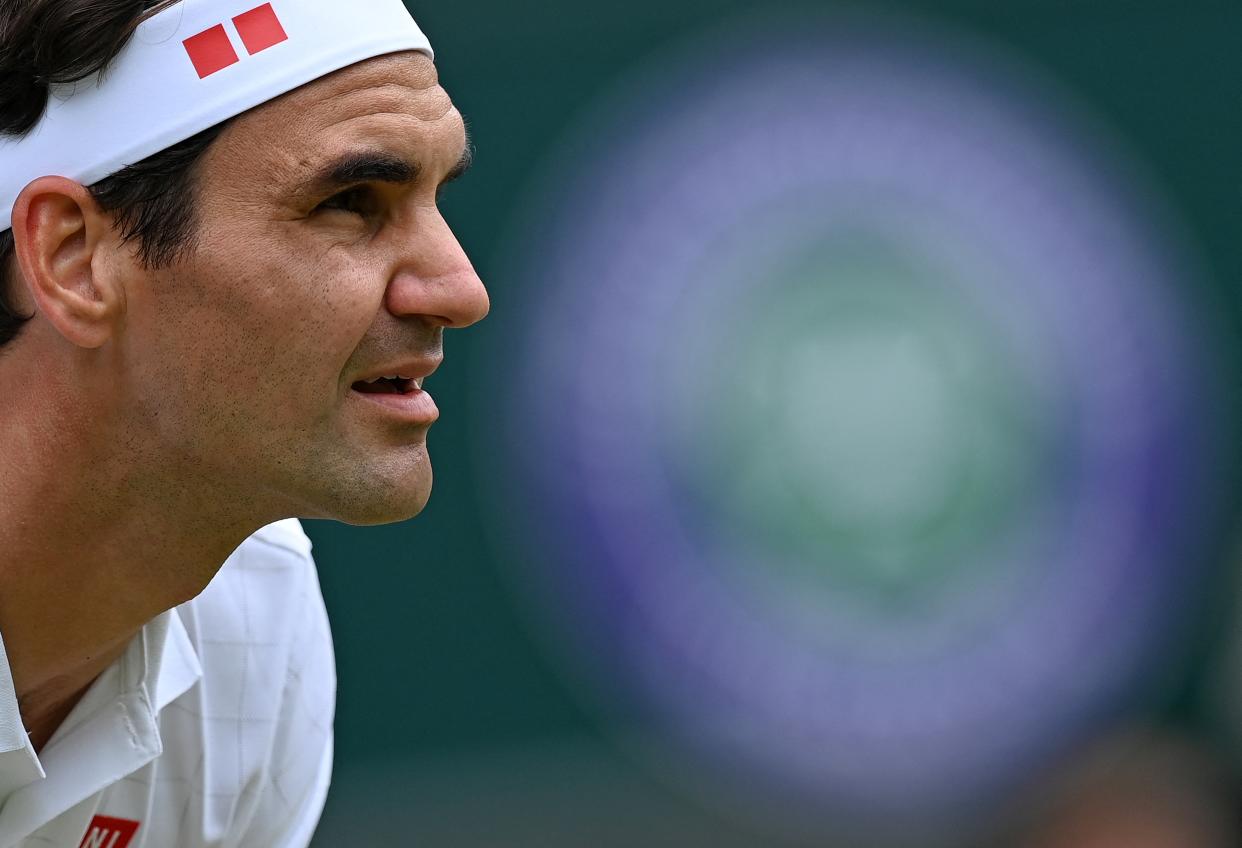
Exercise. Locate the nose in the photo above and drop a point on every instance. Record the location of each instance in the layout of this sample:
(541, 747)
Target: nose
(436, 279)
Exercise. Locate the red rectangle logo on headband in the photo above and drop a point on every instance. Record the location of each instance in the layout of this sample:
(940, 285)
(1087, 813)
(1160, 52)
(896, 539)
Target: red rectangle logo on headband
(260, 29)
(212, 50)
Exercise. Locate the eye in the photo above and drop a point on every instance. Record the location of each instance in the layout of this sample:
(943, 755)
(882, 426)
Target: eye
(360, 200)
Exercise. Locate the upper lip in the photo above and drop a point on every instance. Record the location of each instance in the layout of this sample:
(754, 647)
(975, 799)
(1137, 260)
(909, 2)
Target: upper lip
(410, 369)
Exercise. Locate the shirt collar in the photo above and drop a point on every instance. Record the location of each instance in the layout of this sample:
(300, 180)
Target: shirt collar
(112, 732)
(19, 765)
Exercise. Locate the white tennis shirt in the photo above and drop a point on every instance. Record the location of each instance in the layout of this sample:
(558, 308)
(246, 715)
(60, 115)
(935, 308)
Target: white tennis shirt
(213, 729)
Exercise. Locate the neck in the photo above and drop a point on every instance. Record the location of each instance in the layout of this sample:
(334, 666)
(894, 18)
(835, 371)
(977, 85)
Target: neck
(97, 537)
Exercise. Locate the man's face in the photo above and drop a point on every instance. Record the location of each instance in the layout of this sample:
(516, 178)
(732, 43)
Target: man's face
(243, 359)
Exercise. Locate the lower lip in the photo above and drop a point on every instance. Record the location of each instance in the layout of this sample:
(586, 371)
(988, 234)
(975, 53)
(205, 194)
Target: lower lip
(416, 407)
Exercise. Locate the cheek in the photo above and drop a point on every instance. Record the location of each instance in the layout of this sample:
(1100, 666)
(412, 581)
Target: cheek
(252, 329)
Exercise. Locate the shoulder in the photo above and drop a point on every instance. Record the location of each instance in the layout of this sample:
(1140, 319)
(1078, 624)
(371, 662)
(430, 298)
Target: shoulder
(264, 608)
(264, 706)
(257, 595)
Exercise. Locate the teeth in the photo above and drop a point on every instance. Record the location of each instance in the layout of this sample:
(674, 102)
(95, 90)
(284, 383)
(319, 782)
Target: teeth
(418, 381)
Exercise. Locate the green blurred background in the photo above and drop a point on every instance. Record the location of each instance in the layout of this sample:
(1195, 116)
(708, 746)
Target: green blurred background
(454, 727)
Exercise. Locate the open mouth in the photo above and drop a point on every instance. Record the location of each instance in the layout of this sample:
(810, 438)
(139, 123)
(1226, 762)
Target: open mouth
(388, 386)
(397, 397)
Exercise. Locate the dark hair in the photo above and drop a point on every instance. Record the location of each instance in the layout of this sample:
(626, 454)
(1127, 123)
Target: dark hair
(49, 42)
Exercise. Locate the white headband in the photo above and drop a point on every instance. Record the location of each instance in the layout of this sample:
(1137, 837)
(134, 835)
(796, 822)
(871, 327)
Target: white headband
(187, 69)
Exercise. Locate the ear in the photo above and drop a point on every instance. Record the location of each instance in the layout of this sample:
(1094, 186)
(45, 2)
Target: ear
(61, 236)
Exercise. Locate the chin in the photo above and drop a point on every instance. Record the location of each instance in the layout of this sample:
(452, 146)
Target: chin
(399, 508)
(368, 503)
(391, 513)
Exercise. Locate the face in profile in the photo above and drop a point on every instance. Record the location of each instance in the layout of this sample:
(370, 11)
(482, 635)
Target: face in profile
(322, 265)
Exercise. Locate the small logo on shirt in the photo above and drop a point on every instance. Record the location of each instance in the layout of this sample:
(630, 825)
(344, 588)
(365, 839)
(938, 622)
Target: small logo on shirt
(106, 832)
(212, 49)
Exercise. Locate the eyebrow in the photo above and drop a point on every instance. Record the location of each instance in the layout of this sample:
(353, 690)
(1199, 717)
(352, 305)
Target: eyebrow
(376, 166)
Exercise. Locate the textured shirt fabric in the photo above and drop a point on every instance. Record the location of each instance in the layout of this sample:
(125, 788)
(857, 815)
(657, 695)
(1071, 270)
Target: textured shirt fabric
(213, 729)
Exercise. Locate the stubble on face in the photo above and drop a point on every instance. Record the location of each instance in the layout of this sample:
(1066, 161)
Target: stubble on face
(244, 351)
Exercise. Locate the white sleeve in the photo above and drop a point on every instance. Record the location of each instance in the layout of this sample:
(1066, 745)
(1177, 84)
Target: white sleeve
(302, 825)
(296, 787)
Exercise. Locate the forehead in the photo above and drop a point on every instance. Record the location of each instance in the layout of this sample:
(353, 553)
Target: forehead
(394, 102)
